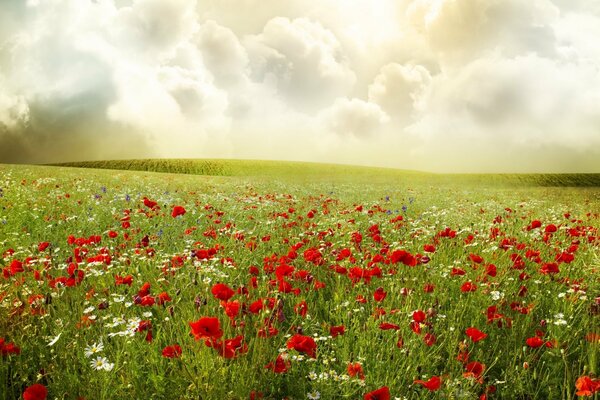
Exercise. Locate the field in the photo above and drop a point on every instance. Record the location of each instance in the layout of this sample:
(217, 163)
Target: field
(298, 281)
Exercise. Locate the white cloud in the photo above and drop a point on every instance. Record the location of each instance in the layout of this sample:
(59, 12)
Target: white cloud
(304, 60)
(400, 90)
(353, 117)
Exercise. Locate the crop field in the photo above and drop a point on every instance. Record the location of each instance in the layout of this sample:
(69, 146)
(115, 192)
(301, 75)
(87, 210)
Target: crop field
(296, 281)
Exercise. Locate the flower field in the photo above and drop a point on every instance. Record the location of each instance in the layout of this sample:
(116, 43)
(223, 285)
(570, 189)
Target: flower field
(136, 285)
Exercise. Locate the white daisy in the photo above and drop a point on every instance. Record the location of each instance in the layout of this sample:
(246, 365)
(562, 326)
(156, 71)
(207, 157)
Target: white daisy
(94, 349)
(101, 363)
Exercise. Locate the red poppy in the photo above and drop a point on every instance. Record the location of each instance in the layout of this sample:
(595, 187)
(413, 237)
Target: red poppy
(177, 211)
(429, 248)
(231, 348)
(280, 366)
(43, 246)
(476, 258)
(379, 294)
(206, 328)
(338, 330)
(8, 348)
(475, 334)
(534, 342)
(35, 392)
(404, 257)
(551, 228)
(419, 316)
(149, 203)
(222, 292)
(474, 370)
(429, 339)
(379, 394)
(468, 287)
(549, 268)
(587, 386)
(355, 370)
(385, 326)
(173, 351)
(303, 344)
(433, 384)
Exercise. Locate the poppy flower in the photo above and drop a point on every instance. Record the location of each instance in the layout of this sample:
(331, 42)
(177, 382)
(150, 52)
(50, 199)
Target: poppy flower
(8, 348)
(280, 366)
(429, 248)
(476, 258)
(468, 287)
(222, 292)
(379, 394)
(587, 386)
(303, 344)
(386, 326)
(231, 348)
(475, 334)
(149, 203)
(474, 370)
(206, 328)
(379, 294)
(173, 351)
(534, 342)
(35, 392)
(338, 330)
(355, 370)
(177, 211)
(432, 384)
(419, 316)
(550, 228)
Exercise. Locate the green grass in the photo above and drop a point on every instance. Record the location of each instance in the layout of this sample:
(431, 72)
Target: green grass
(306, 171)
(237, 206)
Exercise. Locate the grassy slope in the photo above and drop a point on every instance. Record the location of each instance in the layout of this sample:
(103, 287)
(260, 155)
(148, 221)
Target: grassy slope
(303, 170)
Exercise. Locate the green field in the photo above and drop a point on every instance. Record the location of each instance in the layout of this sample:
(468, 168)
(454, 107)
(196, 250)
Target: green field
(406, 262)
(295, 171)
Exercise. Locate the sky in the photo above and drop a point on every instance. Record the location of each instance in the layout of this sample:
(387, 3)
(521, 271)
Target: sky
(432, 85)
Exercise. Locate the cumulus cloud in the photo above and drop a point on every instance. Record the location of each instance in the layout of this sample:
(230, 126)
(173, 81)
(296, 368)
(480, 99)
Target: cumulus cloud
(400, 90)
(353, 117)
(467, 28)
(303, 59)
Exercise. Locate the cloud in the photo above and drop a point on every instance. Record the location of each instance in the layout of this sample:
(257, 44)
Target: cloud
(353, 117)
(400, 90)
(459, 29)
(304, 60)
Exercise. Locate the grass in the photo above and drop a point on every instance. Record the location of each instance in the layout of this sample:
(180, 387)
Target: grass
(298, 224)
(336, 172)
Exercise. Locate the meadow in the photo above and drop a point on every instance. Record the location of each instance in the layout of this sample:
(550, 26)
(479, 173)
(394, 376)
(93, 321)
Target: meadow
(264, 280)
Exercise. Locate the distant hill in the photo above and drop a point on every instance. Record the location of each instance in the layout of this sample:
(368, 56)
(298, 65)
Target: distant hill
(336, 172)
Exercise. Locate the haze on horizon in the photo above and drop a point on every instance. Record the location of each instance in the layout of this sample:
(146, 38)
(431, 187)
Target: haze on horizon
(434, 85)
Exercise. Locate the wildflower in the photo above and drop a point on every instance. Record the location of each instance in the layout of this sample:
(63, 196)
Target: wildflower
(379, 394)
(101, 363)
(206, 328)
(173, 351)
(94, 349)
(475, 334)
(303, 344)
(587, 386)
(36, 391)
(177, 211)
(433, 384)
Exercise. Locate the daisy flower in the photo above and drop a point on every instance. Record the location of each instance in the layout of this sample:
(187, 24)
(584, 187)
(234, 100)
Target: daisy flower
(93, 349)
